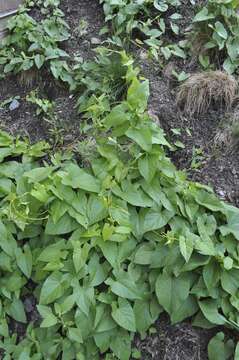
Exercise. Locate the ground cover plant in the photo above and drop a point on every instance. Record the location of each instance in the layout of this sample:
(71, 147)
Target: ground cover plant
(31, 44)
(152, 20)
(107, 247)
(102, 248)
(215, 34)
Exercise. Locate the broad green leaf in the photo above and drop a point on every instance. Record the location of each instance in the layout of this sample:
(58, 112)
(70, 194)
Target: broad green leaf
(133, 194)
(232, 226)
(74, 334)
(67, 304)
(52, 288)
(96, 209)
(119, 212)
(211, 274)
(161, 5)
(167, 286)
(125, 287)
(84, 323)
(230, 281)
(7, 241)
(151, 219)
(228, 263)
(58, 209)
(80, 255)
(187, 309)
(65, 225)
(210, 311)
(49, 319)
(79, 179)
(117, 116)
(142, 136)
(121, 345)
(218, 349)
(143, 316)
(220, 29)
(84, 297)
(39, 60)
(186, 245)
(137, 96)
(104, 321)
(203, 15)
(148, 166)
(124, 316)
(24, 260)
(38, 174)
(16, 310)
(143, 255)
(208, 200)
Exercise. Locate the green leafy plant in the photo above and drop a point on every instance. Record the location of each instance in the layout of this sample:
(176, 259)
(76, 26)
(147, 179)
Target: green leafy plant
(44, 106)
(148, 18)
(219, 349)
(31, 44)
(45, 109)
(108, 246)
(105, 76)
(103, 249)
(215, 34)
(197, 158)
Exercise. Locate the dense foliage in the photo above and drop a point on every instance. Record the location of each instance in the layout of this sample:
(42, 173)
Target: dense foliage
(216, 34)
(154, 21)
(102, 250)
(107, 248)
(31, 44)
(156, 24)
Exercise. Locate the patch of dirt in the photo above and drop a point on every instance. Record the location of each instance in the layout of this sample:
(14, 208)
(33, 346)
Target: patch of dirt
(175, 342)
(86, 19)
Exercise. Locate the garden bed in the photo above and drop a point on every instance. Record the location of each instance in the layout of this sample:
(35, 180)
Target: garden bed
(215, 165)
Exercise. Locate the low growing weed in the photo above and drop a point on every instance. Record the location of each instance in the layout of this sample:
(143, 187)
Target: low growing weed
(43, 106)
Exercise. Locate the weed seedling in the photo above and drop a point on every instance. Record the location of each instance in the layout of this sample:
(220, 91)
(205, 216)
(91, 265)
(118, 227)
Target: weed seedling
(197, 158)
(44, 107)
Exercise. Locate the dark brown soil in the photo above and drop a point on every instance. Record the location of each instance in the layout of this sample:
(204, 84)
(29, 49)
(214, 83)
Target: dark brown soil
(218, 167)
(175, 342)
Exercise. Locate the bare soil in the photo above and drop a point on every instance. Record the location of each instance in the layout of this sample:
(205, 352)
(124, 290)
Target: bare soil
(218, 168)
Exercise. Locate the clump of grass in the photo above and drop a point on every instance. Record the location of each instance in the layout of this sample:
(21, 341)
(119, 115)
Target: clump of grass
(201, 90)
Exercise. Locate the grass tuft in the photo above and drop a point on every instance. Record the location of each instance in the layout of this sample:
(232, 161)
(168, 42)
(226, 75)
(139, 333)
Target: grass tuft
(202, 90)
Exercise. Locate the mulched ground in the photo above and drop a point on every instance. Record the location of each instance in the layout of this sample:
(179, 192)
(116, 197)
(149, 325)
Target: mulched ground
(219, 167)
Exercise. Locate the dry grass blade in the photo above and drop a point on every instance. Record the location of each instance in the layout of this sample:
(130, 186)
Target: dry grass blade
(202, 90)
